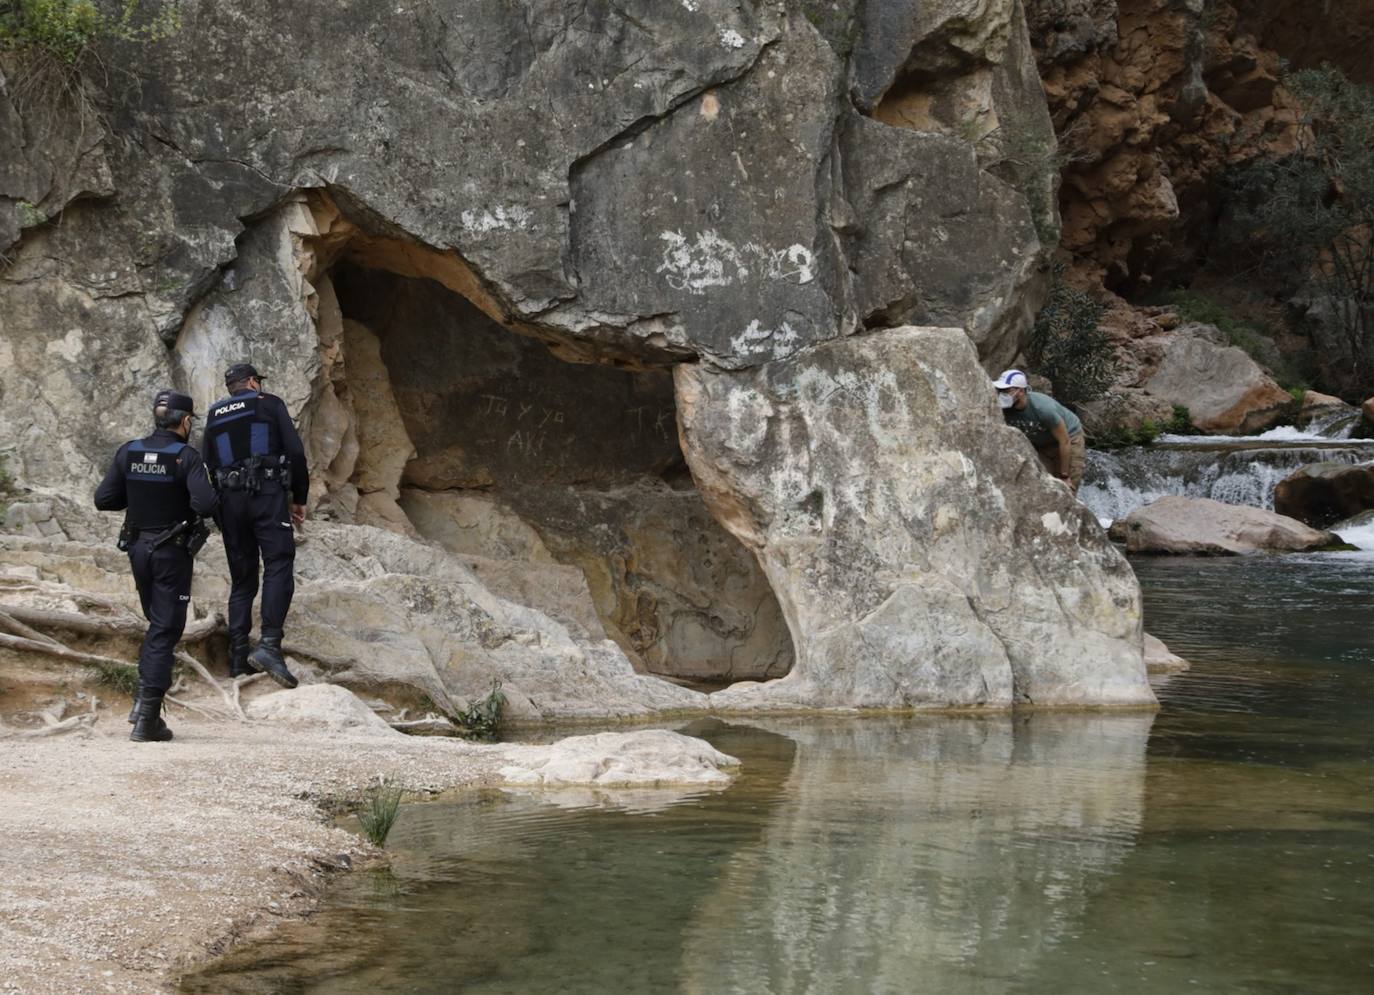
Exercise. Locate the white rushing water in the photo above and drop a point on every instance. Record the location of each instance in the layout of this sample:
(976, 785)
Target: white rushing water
(1236, 470)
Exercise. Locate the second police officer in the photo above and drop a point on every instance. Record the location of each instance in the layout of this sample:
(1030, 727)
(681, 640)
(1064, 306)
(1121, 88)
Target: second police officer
(258, 463)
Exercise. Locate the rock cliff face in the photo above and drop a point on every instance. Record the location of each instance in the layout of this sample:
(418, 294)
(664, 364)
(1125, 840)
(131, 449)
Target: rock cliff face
(1152, 100)
(493, 253)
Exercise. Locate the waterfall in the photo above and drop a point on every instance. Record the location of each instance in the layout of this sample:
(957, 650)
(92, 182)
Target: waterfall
(1230, 469)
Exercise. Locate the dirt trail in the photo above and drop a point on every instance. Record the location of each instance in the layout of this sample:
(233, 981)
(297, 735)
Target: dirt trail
(123, 863)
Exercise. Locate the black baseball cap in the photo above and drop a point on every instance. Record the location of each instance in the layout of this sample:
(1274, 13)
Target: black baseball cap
(173, 401)
(241, 371)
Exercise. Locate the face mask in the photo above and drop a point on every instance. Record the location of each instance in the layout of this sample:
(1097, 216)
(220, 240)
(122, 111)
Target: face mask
(1005, 399)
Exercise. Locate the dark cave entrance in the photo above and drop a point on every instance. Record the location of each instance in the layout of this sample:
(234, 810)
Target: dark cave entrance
(562, 485)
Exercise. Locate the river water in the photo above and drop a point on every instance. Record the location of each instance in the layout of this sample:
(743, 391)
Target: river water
(1225, 844)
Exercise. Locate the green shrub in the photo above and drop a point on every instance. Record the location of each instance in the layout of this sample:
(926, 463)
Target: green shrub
(482, 719)
(1143, 434)
(1025, 153)
(1068, 346)
(378, 811)
(1181, 422)
(66, 30)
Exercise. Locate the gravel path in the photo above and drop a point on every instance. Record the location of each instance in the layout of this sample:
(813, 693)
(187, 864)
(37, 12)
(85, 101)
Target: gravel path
(121, 864)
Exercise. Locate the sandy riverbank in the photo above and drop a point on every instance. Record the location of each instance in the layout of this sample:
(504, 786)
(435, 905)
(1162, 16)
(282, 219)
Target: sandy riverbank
(124, 863)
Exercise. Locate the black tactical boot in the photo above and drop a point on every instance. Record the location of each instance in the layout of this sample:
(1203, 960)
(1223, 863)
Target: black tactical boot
(268, 657)
(133, 712)
(149, 727)
(238, 656)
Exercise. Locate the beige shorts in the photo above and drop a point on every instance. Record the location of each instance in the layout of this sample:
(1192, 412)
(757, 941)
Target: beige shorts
(1049, 458)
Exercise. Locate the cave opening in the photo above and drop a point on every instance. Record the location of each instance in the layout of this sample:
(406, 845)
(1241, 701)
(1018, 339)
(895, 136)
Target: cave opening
(561, 484)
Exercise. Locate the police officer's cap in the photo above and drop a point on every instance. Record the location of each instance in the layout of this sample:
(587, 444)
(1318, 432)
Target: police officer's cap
(173, 401)
(239, 372)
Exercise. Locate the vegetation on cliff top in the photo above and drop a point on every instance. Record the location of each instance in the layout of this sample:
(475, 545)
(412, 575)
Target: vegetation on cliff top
(66, 30)
(1309, 217)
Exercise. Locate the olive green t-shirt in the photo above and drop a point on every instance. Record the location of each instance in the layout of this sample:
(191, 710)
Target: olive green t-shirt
(1038, 418)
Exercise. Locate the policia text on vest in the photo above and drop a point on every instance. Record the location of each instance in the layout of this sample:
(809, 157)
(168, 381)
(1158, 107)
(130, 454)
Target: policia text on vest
(258, 464)
(162, 486)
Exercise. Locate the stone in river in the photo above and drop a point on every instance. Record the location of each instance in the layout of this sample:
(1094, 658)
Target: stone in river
(1324, 493)
(1206, 527)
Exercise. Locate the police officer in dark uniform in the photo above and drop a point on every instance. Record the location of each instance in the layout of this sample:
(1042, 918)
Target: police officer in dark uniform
(162, 486)
(258, 463)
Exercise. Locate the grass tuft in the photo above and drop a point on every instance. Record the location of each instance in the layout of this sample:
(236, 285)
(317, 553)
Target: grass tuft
(378, 811)
(119, 677)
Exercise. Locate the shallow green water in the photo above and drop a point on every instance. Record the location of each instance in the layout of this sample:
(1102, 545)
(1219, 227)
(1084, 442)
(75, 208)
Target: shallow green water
(1224, 845)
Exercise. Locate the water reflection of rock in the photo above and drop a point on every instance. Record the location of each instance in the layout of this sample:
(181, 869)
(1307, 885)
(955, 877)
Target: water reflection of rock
(954, 851)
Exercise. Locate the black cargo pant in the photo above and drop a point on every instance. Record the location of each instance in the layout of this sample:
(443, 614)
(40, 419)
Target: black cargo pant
(257, 528)
(163, 576)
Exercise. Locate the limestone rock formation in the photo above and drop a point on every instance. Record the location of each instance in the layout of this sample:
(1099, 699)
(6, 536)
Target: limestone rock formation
(322, 706)
(1316, 406)
(1159, 659)
(1163, 363)
(1223, 389)
(1325, 493)
(645, 758)
(945, 580)
(1152, 100)
(1207, 527)
(491, 254)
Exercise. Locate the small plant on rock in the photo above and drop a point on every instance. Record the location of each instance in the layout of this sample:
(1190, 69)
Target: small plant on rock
(482, 718)
(56, 48)
(1181, 422)
(119, 677)
(378, 811)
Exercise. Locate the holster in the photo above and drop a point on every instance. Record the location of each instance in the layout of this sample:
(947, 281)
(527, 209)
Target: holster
(197, 535)
(127, 535)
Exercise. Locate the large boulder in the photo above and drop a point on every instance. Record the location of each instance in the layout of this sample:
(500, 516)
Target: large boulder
(321, 706)
(1325, 493)
(1210, 528)
(1224, 390)
(646, 758)
(962, 575)
(1316, 405)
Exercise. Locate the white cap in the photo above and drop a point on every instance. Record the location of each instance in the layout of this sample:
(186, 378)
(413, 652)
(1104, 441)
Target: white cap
(1010, 379)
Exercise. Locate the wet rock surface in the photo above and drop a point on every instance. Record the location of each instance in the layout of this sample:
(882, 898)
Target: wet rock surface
(1325, 493)
(1207, 527)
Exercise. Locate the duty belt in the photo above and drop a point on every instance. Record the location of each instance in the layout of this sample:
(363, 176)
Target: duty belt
(250, 475)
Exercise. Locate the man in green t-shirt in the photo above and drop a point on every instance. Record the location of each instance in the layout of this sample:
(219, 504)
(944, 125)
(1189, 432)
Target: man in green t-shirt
(1054, 430)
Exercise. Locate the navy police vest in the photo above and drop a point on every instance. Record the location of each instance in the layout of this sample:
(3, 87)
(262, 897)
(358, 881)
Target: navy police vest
(238, 428)
(156, 497)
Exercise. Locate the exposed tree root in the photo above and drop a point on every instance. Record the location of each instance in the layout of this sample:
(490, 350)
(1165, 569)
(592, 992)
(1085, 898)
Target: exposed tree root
(23, 636)
(53, 722)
